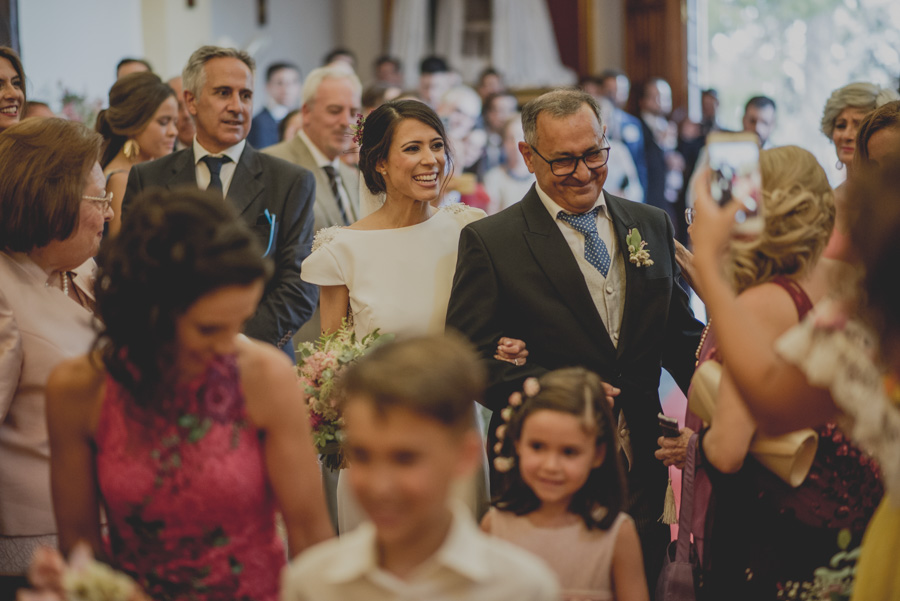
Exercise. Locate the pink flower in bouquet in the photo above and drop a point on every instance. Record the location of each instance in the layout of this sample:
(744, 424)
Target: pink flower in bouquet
(316, 420)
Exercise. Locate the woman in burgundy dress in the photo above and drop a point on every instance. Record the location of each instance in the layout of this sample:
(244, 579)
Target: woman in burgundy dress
(767, 540)
(188, 434)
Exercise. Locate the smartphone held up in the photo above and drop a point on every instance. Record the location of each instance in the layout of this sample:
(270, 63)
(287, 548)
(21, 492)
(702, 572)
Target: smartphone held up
(734, 175)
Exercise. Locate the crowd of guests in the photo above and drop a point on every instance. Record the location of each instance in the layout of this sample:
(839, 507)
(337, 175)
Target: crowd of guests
(158, 270)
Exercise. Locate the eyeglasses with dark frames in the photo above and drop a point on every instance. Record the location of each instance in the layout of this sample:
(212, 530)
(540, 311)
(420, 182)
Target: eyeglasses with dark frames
(593, 160)
(104, 202)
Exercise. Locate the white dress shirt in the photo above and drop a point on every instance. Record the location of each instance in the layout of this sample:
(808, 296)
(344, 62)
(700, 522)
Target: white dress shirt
(608, 293)
(322, 161)
(227, 172)
(468, 566)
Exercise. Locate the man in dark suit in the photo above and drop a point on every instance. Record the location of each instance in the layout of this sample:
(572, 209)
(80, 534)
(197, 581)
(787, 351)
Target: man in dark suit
(283, 90)
(273, 197)
(664, 164)
(554, 270)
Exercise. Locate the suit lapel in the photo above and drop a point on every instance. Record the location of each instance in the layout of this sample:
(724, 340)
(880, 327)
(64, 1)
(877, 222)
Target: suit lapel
(622, 222)
(184, 172)
(246, 184)
(553, 254)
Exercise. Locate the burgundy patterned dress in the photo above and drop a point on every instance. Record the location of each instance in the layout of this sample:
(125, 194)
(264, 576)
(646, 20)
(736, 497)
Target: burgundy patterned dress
(766, 540)
(189, 507)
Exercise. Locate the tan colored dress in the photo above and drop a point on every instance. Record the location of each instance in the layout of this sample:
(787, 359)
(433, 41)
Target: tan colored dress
(580, 558)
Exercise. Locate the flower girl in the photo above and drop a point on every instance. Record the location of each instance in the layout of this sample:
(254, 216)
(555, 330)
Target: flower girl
(564, 490)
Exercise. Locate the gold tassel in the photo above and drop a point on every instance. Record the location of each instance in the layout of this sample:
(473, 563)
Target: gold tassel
(670, 514)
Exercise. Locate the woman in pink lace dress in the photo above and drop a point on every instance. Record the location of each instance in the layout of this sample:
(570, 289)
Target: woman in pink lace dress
(188, 434)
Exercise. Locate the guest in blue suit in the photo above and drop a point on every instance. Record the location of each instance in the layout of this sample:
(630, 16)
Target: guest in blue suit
(621, 125)
(283, 88)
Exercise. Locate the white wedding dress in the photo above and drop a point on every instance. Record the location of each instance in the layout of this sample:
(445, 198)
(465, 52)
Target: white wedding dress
(399, 282)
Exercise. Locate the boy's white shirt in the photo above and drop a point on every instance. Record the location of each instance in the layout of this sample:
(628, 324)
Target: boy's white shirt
(468, 565)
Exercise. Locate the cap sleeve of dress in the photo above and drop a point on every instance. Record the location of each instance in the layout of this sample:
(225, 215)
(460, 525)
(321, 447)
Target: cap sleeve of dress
(322, 267)
(464, 213)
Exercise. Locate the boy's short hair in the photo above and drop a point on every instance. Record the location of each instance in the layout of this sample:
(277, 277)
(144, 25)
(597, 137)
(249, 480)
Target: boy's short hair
(437, 377)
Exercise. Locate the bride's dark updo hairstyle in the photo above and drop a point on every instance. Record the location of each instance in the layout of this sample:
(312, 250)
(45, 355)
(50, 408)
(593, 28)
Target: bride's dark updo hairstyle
(174, 248)
(378, 134)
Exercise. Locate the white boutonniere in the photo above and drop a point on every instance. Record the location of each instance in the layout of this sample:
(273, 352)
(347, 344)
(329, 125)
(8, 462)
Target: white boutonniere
(637, 252)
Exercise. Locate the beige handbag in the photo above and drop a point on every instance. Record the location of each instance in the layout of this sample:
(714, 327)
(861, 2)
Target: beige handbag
(788, 456)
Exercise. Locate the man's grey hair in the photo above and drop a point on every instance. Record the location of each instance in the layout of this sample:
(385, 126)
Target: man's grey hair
(194, 75)
(860, 95)
(557, 104)
(317, 76)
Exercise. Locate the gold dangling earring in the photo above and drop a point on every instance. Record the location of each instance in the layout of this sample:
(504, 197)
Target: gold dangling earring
(131, 148)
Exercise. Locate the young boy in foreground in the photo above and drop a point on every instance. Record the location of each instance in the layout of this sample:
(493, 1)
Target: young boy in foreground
(409, 436)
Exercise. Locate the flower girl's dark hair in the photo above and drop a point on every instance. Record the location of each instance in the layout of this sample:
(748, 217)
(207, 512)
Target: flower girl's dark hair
(578, 392)
(378, 134)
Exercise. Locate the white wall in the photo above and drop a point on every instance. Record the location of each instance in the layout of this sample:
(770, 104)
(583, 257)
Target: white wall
(76, 45)
(301, 32)
(361, 24)
(172, 31)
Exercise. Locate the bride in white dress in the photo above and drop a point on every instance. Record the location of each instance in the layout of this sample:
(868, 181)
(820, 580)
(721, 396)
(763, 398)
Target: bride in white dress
(393, 269)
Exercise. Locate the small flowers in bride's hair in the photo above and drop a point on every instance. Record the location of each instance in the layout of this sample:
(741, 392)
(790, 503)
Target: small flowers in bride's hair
(358, 129)
(501, 431)
(503, 464)
(636, 249)
(531, 387)
(515, 399)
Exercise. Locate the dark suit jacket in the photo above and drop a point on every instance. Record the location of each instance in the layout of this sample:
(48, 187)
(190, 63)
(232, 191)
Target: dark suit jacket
(260, 182)
(516, 276)
(263, 130)
(655, 159)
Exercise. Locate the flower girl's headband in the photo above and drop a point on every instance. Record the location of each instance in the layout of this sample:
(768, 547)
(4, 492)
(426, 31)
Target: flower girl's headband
(531, 388)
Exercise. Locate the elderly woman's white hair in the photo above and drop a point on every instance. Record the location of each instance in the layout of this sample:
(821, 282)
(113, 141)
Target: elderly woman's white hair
(859, 95)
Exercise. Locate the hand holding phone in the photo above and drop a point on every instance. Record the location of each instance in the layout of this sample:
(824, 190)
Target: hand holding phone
(668, 426)
(735, 175)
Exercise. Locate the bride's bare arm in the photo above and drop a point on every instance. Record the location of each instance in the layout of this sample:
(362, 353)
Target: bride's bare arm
(334, 304)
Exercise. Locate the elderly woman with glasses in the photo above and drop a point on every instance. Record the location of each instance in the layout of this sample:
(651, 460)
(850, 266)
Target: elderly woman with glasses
(54, 205)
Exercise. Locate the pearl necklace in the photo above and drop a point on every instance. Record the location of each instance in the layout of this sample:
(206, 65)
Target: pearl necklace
(63, 277)
(702, 341)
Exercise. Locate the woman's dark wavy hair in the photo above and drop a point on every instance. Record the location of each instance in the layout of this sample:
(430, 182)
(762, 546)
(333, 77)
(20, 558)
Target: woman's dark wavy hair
(174, 248)
(378, 134)
(568, 391)
(133, 100)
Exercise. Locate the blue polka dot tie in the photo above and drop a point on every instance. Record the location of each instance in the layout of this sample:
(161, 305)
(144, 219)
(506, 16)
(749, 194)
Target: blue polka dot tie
(595, 250)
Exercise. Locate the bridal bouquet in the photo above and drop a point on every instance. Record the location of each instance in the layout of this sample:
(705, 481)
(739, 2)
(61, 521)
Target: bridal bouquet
(319, 366)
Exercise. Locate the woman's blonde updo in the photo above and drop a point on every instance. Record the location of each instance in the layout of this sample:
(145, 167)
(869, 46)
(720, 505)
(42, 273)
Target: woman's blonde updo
(798, 208)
